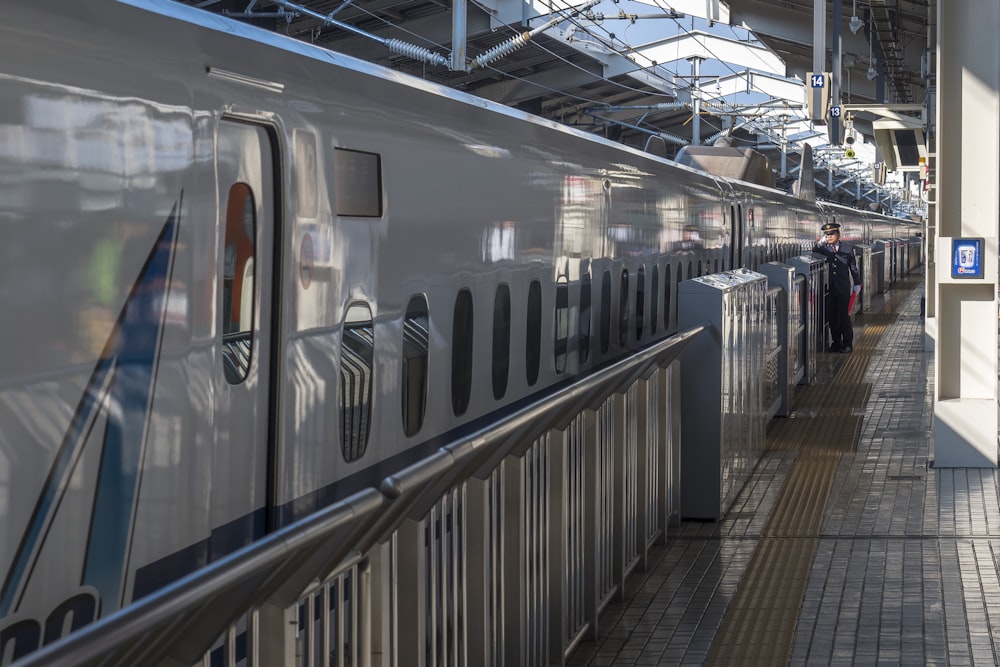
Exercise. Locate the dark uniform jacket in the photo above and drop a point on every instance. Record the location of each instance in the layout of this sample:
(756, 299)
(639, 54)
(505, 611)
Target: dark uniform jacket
(843, 269)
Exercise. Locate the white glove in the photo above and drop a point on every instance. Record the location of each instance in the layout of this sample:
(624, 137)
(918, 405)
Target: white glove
(857, 288)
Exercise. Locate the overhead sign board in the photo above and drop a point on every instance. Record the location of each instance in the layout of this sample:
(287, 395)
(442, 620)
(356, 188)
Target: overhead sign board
(818, 96)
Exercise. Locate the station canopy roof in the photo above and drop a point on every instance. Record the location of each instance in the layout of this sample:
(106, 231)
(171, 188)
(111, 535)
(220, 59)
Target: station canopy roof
(653, 74)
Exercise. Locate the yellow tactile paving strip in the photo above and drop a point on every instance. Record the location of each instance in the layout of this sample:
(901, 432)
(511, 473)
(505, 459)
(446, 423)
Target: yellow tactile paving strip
(828, 398)
(759, 623)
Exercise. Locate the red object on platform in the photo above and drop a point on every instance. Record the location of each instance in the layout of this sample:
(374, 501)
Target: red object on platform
(850, 304)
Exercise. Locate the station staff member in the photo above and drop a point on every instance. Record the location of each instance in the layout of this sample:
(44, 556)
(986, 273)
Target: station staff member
(843, 280)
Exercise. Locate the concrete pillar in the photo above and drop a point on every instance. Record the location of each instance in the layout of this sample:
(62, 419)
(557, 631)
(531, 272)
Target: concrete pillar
(968, 173)
(931, 232)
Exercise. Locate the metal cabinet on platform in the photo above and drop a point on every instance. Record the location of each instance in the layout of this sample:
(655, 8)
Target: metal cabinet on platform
(723, 422)
(793, 338)
(866, 267)
(813, 269)
(875, 284)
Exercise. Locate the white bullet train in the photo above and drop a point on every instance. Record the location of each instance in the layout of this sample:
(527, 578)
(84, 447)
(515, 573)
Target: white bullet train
(243, 277)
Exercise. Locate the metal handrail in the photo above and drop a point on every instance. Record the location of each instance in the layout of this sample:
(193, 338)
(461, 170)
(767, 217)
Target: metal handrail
(479, 453)
(180, 621)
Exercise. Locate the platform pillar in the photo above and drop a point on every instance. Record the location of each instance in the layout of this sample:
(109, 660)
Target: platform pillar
(968, 174)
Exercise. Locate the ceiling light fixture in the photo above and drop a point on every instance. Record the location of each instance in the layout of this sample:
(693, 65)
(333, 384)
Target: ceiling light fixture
(872, 72)
(855, 23)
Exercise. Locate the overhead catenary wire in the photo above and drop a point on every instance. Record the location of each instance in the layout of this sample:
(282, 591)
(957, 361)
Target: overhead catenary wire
(565, 13)
(395, 45)
(520, 40)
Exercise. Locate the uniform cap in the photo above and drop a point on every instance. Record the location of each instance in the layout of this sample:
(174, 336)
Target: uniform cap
(830, 227)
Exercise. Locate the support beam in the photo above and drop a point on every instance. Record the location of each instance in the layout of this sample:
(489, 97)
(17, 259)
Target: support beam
(819, 36)
(930, 232)
(696, 99)
(836, 124)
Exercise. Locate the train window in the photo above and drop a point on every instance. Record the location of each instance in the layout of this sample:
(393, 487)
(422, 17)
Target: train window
(416, 327)
(533, 334)
(562, 323)
(461, 353)
(673, 314)
(734, 241)
(357, 362)
(699, 268)
(584, 324)
(238, 283)
(654, 299)
(666, 297)
(501, 340)
(690, 271)
(739, 226)
(640, 302)
(357, 183)
(306, 173)
(623, 309)
(605, 312)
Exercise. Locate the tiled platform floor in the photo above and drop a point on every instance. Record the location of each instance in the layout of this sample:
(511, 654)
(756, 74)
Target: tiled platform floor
(907, 565)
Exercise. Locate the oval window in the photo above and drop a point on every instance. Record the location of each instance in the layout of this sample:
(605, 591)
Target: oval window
(357, 362)
(654, 299)
(562, 323)
(640, 302)
(666, 297)
(416, 327)
(605, 312)
(461, 353)
(584, 323)
(501, 341)
(533, 334)
(623, 309)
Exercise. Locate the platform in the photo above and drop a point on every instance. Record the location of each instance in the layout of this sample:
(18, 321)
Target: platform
(845, 547)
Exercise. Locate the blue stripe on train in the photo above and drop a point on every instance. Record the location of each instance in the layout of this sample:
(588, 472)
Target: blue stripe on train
(138, 335)
(55, 483)
(126, 365)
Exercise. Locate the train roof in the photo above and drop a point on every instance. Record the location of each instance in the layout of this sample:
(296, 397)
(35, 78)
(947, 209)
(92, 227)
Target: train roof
(742, 164)
(256, 35)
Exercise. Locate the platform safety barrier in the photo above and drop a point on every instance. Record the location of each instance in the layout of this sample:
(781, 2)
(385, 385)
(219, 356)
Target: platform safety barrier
(502, 548)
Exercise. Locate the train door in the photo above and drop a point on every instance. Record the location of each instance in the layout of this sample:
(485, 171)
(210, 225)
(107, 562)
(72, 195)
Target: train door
(248, 281)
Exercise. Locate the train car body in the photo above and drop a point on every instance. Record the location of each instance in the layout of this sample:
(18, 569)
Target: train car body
(244, 277)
